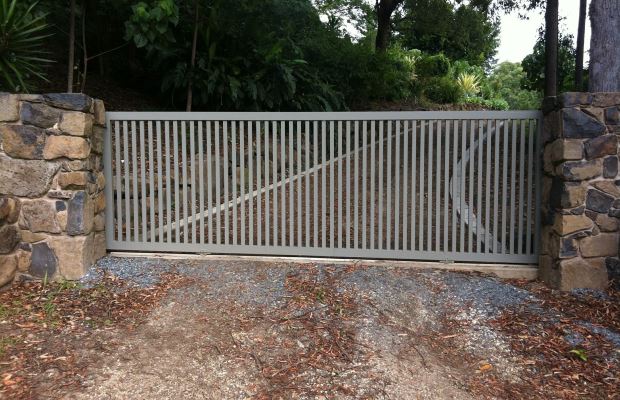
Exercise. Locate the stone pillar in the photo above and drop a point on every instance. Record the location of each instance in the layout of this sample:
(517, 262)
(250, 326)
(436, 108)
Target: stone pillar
(581, 190)
(51, 185)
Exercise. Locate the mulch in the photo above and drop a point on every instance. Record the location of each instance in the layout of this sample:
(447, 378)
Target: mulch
(46, 330)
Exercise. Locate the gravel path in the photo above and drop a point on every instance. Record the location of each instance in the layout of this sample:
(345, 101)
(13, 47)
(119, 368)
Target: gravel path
(242, 329)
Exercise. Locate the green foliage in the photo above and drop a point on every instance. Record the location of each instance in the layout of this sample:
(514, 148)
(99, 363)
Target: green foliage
(505, 82)
(442, 90)
(151, 26)
(580, 354)
(469, 84)
(492, 104)
(22, 45)
(534, 64)
(436, 65)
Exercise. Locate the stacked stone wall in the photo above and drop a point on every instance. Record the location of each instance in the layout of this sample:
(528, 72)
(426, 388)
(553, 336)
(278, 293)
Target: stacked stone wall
(51, 185)
(581, 190)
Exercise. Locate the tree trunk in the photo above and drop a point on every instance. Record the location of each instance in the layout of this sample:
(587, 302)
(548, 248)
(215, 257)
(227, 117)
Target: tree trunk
(71, 60)
(85, 53)
(384, 8)
(551, 48)
(188, 106)
(580, 39)
(605, 46)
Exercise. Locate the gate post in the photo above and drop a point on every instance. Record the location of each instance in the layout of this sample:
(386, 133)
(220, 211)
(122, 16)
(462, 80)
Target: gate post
(51, 185)
(581, 190)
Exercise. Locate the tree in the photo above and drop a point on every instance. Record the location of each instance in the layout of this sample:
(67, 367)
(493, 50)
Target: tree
(71, 58)
(605, 46)
(534, 64)
(580, 39)
(505, 83)
(551, 48)
(385, 9)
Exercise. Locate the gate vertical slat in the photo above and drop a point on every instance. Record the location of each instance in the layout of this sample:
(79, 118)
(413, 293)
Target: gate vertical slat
(323, 184)
(388, 173)
(259, 173)
(251, 179)
(282, 184)
(291, 192)
(414, 162)
(119, 189)
(218, 194)
(332, 188)
(455, 192)
(429, 182)
(348, 178)
(496, 187)
(168, 185)
(210, 179)
(340, 178)
(315, 204)
(226, 178)
(372, 184)
(480, 176)
(134, 180)
(521, 186)
(487, 215)
(192, 163)
(143, 192)
(446, 187)
(185, 219)
(176, 165)
(356, 183)
(152, 164)
(505, 199)
(381, 198)
(299, 185)
(531, 188)
(470, 205)
(513, 168)
(201, 183)
(274, 181)
(437, 208)
(365, 184)
(462, 186)
(235, 232)
(307, 202)
(242, 153)
(126, 163)
(421, 186)
(405, 183)
(397, 190)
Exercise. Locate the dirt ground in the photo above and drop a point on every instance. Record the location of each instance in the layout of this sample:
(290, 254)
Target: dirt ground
(241, 329)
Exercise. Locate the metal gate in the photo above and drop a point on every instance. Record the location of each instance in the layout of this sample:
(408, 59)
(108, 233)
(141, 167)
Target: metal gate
(457, 186)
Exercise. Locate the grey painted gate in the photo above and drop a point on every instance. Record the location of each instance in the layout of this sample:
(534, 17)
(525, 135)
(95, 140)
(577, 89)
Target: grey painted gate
(458, 186)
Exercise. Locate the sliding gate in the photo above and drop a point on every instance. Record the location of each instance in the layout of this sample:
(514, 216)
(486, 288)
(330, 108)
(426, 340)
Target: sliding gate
(457, 186)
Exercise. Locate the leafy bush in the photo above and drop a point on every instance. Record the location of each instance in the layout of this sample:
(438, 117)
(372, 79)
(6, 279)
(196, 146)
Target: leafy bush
(469, 84)
(442, 90)
(432, 66)
(22, 36)
(493, 104)
(505, 83)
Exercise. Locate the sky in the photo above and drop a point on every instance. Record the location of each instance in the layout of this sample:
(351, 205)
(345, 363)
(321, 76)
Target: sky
(517, 37)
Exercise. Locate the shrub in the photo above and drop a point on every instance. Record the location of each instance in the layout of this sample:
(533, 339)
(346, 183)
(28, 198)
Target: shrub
(469, 84)
(432, 66)
(493, 104)
(442, 90)
(21, 44)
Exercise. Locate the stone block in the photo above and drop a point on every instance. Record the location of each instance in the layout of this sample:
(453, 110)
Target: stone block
(610, 167)
(43, 262)
(8, 267)
(571, 99)
(96, 140)
(31, 237)
(23, 141)
(9, 238)
(80, 214)
(603, 245)
(598, 201)
(9, 209)
(99, 222)
(612, 115)
(567, 194)
(604, 99)
(601, 146)
(39, 115)
(580, 170)
(99, 246)
(567, 224)
(75, 254)
(73, 180)
(66, 146)
(23, 260)
(609, 187)
(25, 178)
(99, 112)
(578, 125)
(76, 123)
(9, 107)
(69, 101)
(39, 216)
(578, 273)
(60, 194)
(607, 223)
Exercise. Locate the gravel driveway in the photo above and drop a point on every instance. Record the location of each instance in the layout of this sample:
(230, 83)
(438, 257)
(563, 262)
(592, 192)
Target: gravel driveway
(245, 329)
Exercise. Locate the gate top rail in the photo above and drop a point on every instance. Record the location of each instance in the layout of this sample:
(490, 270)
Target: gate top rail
(321, 116)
